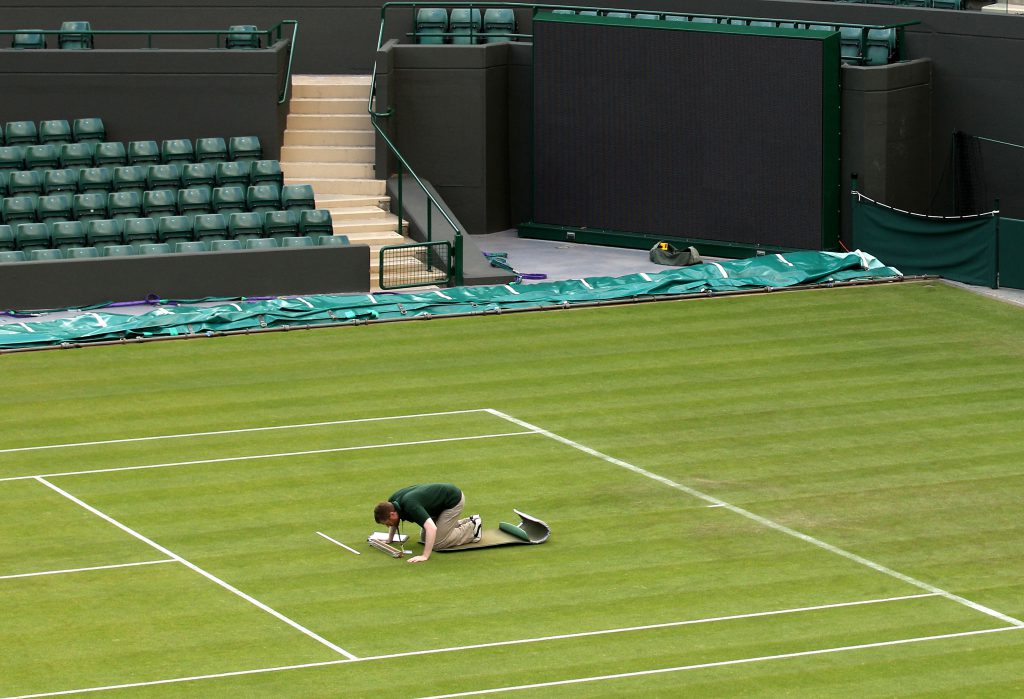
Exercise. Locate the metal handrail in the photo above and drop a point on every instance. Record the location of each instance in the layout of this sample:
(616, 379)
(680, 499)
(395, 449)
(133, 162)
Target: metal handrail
(277, 30)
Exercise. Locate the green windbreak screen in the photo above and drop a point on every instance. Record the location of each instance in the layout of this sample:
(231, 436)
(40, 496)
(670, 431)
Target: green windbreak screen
(770, 271)
(962, 249)
(1011, 253)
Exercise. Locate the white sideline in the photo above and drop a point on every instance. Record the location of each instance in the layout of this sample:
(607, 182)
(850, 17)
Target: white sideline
(454, 649)
(228, 459)
(242, 430)
(209, 576)
(764, 521)
(83, 570)
(721, 663)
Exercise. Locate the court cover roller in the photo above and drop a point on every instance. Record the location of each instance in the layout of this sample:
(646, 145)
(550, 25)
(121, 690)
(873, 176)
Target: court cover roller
(530, 530)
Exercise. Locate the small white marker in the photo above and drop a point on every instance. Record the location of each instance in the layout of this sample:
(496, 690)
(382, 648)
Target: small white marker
(333, 541)
(716, 505)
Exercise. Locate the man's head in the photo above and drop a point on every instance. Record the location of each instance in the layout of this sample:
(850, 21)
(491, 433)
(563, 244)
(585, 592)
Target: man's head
(385, 513)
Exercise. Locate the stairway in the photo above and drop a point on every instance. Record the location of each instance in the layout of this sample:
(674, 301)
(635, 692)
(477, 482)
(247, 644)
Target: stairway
(329, 143)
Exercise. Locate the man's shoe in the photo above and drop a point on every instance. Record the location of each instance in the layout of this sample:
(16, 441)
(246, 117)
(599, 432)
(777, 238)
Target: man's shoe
(478, 525)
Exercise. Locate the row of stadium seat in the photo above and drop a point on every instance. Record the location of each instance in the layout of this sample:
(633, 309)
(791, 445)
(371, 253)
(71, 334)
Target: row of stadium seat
(79, 253)
(52, 208)
(140, 178)
(26, 237)
(938, 4)
(465, 25)
(53, 131)
(24, 156)
(79, 35)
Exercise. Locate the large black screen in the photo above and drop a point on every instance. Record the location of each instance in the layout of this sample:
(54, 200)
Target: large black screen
(680, 133)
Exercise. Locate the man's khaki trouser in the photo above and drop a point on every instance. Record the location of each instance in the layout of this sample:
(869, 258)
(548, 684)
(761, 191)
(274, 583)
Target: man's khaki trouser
(451, 531)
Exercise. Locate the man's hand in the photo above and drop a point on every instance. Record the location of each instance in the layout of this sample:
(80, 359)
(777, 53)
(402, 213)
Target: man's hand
(429, 534)
(418, 559)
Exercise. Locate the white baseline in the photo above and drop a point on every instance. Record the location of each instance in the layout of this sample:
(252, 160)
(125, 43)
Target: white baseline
(85, 570)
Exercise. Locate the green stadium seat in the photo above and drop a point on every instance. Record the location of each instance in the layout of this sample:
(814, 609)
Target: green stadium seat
(15, 210)
(260, 243)
(6, 237)
(881, 47)
(297, 197)
(245, 148)
(77, 155)
(676, 18)
(130, 178)
(208, 227)
(56, 181)
(44, 254)
(262, 198)
(498, 22)
(83, 252)
(850, 48)
(211, 150)
(89, 206)
(139, 230)
(948, 4)
(110, 154)
(31, 236)
(173, 229)
(25, 182)
(96, 179)
(199, 175)
(315, 222)
(431, 25)
(75, 35)
(232, 173)
(103, 232)
(21, 133)
(242, 36)
(55, 131)
(331, 240)
(228, 200)
(89, 129)
(122, 205)
(296, 241)
(177, 150)
(640, 15)
(620, 15)
(697, 19)
(246, 225)
(266, 172)
(191, 246)
(29, 39)
(12, 256)
(281, 224)
(163, 177)
(44, 157)
(465, 25)
(12, 157)
(4, 177)
(68, 234)
(155, 249)
(192, 202)
(143, 153)
(117, 250)
(225, 245)
(160, 202)
(53, 208)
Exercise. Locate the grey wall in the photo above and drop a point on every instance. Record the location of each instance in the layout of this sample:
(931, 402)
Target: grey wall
(151, 94)
(291, 271)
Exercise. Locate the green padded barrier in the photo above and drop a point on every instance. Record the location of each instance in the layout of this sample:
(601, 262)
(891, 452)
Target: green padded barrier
(1011, 253)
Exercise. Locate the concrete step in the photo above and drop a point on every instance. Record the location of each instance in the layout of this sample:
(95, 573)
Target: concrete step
(328, 105)
(350, 122)
(331, 187)
(354, 213)
(355, 201)
(327, 154)
(314, 86)
(387, 223)
(329, 137)
(304, 171)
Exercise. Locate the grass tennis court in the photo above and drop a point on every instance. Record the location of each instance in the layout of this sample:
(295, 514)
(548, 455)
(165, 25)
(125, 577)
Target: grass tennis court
(800, 494)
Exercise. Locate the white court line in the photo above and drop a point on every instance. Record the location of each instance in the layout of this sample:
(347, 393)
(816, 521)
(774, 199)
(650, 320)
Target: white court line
(335, 541)
(765, 521)
(228, 459)
(83, 570)
(241, 431)
(407, 654)
(209, 576)
(722, 663)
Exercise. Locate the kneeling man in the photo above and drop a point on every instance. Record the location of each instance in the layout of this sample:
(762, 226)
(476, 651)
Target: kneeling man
(435, 507)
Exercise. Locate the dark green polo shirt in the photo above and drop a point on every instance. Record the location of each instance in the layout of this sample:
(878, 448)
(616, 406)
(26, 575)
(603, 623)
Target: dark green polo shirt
(418, 503)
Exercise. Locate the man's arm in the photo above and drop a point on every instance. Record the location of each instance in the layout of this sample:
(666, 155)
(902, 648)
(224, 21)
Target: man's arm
(391, 534)
(429, 534)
